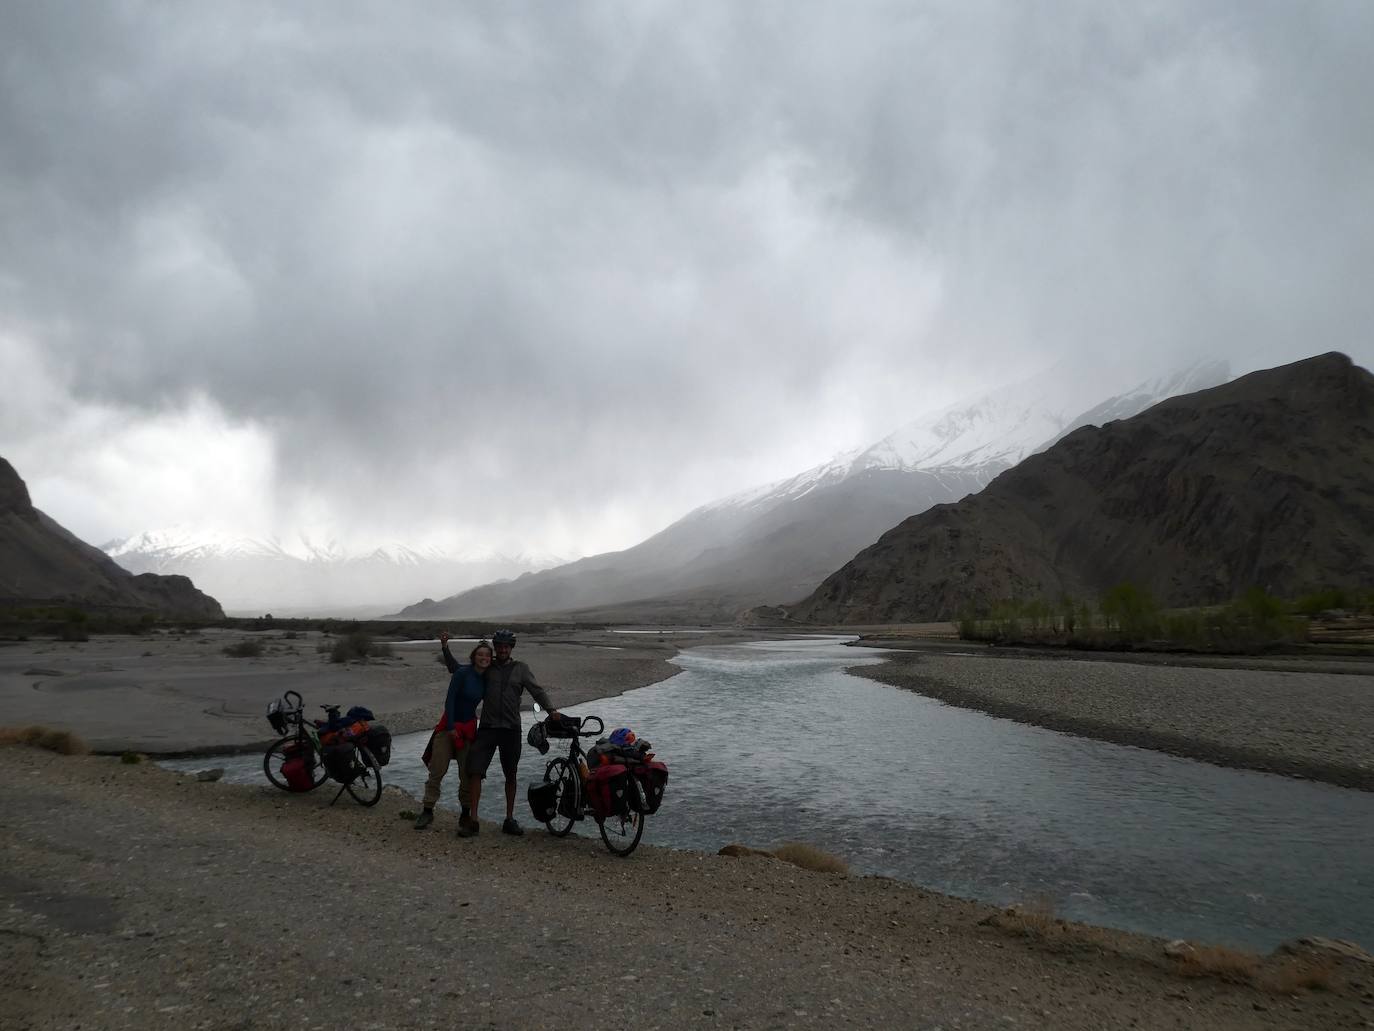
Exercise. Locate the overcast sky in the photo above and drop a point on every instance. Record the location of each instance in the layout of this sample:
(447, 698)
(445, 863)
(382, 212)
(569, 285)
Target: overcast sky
(549, 275)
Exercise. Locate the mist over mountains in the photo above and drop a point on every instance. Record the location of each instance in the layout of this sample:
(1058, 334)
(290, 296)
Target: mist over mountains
(781, 540)
(312, 574)
(1267, 481)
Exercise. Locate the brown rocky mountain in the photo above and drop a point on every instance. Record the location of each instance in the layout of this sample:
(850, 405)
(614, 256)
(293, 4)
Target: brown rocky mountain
(1266, 481)
(43, 564)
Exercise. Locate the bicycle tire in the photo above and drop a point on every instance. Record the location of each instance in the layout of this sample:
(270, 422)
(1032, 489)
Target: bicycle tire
(619, 847)
(366, 787)
(566, 777)
(275, 756)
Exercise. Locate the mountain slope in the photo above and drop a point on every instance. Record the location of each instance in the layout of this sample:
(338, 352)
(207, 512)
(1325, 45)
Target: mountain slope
(1266, 481)
(313, 575)
(782, 539)
(41, 562)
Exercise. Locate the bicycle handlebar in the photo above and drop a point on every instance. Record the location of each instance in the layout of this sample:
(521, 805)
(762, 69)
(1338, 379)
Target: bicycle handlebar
(600, 727)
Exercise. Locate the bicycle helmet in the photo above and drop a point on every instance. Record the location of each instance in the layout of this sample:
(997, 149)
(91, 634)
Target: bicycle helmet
(622, 738)
(503, 637)
(538, 737)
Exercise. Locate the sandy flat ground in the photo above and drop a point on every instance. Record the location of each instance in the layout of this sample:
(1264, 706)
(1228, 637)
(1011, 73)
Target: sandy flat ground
(165, 693)
(132, 897)
(1279, 715)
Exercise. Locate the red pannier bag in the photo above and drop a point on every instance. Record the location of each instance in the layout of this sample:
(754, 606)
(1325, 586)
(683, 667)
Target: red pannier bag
(606, 790)
(298, 768)
(652, 778)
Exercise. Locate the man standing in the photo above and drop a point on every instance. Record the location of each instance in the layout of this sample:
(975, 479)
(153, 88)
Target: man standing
(499, 729)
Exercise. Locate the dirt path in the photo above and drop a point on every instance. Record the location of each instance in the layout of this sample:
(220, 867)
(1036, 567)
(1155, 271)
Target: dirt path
(136, 898)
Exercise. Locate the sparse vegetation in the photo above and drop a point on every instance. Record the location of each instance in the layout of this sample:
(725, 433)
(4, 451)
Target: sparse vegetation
(358, 645)
(131, 758)
(808, 857)
(1218, 961)
(63, 742)
(1299, 974)
(1033, 919)
(249, 648)
(1130, 617)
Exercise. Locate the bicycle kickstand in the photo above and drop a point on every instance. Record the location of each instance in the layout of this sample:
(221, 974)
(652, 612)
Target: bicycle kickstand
(338, 793)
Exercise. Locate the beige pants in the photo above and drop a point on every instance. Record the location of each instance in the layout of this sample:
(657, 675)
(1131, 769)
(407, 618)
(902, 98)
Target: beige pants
(441, 755)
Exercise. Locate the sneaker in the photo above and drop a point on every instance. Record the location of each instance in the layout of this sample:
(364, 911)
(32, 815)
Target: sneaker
(511, 827)
(466, 830)
(425, 818)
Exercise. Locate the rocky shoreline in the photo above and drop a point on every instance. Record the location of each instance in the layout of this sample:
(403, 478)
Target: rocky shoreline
(137, 898)
(1313, 723)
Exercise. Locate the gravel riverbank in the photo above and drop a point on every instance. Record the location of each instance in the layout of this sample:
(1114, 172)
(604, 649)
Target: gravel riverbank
(1318, 725)
(137, 898)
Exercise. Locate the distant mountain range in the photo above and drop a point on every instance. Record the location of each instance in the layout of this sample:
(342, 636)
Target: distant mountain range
(779, 541)
(41, 563)
(1267, 481)
(312, 575)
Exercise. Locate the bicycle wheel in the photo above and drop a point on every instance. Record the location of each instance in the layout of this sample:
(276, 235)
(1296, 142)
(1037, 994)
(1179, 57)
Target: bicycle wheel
(366, 787)
(276, 755)
(622, 832)
(564, 775)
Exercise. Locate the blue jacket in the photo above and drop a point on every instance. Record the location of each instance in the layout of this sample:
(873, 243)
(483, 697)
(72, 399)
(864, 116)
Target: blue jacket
(465, 690)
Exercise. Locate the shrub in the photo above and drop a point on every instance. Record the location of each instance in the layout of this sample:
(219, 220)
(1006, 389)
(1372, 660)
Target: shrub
(249, 648)
(290, 635)
(1218, 961)
(810, 858)
(73, 631)
(131, 758)
(63, 742)
(358, 645)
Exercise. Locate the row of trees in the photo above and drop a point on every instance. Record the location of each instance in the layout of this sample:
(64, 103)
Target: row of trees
(1129, 616)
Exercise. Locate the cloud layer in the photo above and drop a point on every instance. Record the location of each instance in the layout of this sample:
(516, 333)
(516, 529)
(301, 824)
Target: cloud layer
(550, 275)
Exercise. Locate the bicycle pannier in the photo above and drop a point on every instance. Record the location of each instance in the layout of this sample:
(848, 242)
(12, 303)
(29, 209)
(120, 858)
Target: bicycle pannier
(607, 790)
(653, 779)
(378, 742)
(298, 768)
(338, 760)
(276, 715)
(543, 796)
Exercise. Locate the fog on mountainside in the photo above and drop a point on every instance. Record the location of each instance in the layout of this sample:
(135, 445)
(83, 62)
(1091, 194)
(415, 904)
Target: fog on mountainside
(1267, 481)
(782, 539)
(313, 576)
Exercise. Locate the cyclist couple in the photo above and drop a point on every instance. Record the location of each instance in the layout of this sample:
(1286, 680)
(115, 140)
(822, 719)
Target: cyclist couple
(492, 679)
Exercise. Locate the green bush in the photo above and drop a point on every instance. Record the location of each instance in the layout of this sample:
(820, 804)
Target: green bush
(249, 648)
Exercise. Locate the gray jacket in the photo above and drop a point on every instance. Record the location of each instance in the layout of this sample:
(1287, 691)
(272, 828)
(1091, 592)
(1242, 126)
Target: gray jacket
(501, 703)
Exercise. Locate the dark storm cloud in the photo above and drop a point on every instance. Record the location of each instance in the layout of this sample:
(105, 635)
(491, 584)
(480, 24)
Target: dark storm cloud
(614, 241)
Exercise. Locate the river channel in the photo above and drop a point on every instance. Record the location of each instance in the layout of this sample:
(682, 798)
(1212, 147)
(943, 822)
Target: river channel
(772, 742)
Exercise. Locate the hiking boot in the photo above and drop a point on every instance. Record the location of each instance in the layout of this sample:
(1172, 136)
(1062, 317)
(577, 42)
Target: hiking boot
(425, 818)
(468, 827)
(511, 827)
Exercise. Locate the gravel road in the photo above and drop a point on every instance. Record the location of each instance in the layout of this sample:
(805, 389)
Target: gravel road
(137, 898)
(1309, 724)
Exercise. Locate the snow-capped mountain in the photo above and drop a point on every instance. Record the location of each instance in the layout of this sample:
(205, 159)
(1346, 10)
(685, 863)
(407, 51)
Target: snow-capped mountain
(313, 574)
(778, 541)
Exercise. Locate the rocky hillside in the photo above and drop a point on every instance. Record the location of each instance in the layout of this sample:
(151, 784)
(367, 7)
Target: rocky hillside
(782, 539)
(1266, 481)
(42, 563)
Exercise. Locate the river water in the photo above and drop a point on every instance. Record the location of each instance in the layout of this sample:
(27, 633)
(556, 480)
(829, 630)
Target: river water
(772, 742)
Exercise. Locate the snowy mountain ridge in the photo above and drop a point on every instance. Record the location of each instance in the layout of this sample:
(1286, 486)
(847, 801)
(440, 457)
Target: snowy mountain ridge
(987, 434)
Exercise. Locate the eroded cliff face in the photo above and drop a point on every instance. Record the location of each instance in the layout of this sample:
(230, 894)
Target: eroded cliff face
(1266, 481)
(41, 562)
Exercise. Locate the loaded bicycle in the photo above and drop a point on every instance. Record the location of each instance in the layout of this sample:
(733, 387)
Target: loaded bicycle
(617, 783)
(347, 748)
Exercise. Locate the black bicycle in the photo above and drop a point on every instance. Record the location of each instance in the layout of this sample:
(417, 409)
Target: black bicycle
(313, 751)
(618, 798)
